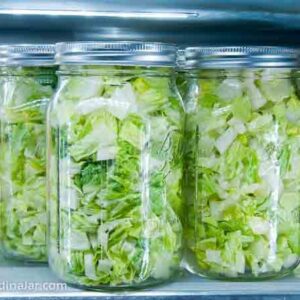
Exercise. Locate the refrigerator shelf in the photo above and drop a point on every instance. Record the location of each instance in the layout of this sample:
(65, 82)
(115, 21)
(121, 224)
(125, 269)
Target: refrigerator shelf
(185, 22)
(19, 281)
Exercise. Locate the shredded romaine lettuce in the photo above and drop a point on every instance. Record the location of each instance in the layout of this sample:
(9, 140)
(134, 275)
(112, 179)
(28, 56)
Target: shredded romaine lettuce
(26, 92)
(242, 173)
(115, 179)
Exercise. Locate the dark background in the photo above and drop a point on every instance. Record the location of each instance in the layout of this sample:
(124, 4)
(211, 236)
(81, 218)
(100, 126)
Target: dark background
(198, 22)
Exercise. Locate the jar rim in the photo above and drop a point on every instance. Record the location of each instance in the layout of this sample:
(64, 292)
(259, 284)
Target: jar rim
(27, 55)
(239, 57)
(123, 53)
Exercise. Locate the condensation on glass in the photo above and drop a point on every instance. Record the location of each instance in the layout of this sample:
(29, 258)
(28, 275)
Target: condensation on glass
(242, 162)
(27, 80)
(115, 131)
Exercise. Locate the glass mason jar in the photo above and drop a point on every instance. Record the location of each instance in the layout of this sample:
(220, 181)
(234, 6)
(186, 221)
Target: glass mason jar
(115, 130)
(242, 163)
(27, 83)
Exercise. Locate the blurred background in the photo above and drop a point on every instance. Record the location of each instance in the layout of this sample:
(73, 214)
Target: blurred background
(226, 22)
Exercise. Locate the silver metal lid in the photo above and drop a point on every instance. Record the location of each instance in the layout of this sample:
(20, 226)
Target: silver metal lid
(27, 55)
(274, 57)
(116, 53)
(241, 57)
(216, 57)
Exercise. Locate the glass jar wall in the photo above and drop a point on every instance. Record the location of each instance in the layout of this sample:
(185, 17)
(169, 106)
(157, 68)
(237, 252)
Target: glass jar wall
(27, 85)
(242, 165)
(115, 136)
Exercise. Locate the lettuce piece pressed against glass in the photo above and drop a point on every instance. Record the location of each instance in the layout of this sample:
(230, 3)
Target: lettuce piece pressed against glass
(26, 92)
(243, 169)
(115, 178)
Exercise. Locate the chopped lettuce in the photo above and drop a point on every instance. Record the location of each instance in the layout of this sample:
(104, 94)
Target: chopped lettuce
(26, 92)
(115, 178)
(242, 169)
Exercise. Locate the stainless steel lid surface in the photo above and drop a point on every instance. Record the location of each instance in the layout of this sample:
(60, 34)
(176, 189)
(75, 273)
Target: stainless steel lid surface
(27, 55)
(116, 53)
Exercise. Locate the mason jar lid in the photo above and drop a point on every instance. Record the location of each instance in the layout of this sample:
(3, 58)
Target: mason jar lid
(215, 57)
(116, 53)
(241, 57)
(274, 57)
(27, 55)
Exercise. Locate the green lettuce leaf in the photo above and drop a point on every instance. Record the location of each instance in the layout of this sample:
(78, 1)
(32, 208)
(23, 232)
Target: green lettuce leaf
(242, 155)
(23, 162)
(119, 179)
